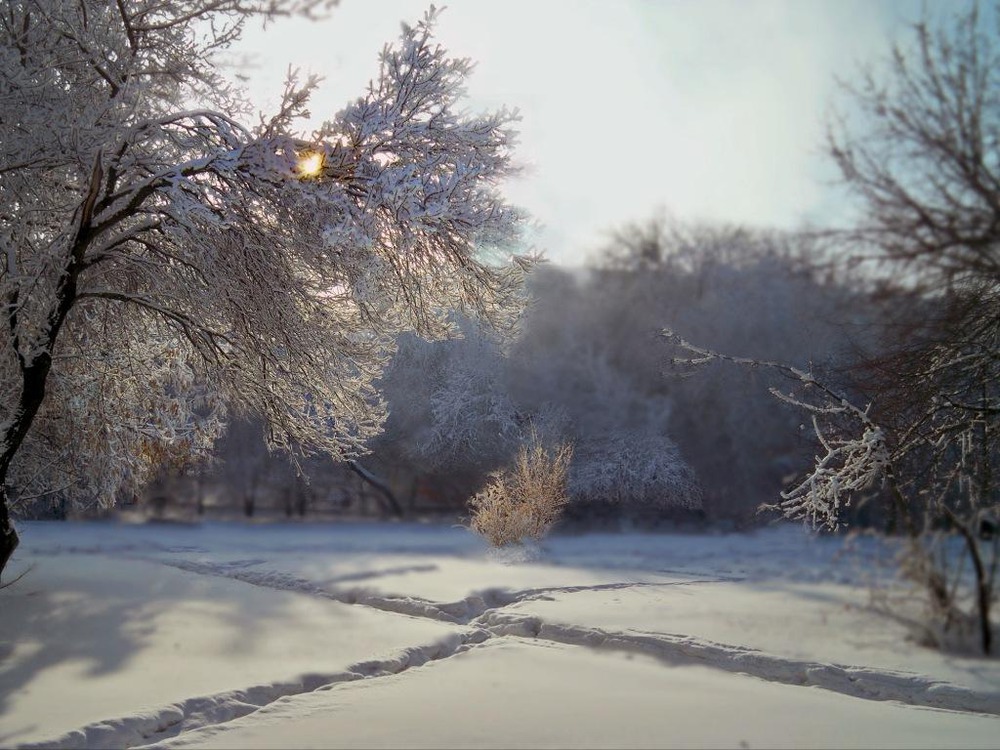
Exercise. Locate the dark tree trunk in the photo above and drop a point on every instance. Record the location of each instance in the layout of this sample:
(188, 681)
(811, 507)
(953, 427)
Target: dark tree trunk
(33, 380)
(983, 587)
(8, 534)
(199, 495)
(414, 485)
(388, 498)
(301, 499)
(35, 371)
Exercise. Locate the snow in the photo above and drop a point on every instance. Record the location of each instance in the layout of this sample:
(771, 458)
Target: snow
(94, 638)
(375, 635)
(515, 693)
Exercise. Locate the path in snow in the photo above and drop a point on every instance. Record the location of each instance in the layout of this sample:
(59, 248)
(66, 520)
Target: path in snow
(511, 692)
(484, 611)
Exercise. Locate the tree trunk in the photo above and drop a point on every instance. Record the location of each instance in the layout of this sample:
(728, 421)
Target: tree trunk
(35, 371)
(301, 499)
(388, 497)
(199, 489)
(414, 486)
(8, 534)
(983, 588)
(33, 377)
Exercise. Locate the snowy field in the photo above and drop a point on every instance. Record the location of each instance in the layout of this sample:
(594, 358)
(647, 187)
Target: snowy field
(409, 635)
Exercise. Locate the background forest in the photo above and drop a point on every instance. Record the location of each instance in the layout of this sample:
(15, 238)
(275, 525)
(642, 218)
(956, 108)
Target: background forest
(653, 444)
(592, 367)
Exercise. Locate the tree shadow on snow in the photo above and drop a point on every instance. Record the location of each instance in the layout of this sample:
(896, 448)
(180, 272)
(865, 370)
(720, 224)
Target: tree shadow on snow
(88, 617)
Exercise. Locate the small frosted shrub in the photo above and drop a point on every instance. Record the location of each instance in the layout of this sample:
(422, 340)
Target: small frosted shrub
(524, 500)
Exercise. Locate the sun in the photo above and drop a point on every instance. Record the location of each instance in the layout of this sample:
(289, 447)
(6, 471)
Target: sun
(310, 163)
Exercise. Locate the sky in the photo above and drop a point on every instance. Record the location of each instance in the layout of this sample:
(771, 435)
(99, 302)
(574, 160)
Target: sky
(708, 110)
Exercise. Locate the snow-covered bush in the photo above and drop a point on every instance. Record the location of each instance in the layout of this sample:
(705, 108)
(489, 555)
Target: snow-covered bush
(641, 468)
(525, 500)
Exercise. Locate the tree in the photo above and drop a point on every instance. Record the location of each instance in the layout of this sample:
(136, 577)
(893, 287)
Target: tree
(567, 373)
(924, 160)
(623, 455)
(449, 405)
(147, 229)
(922, 156)
(452, 419)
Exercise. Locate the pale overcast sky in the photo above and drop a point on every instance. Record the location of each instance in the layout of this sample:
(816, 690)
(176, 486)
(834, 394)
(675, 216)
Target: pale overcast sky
(711, 109)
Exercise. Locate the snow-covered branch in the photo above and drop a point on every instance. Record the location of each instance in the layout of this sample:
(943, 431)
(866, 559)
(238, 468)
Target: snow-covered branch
(856, 456)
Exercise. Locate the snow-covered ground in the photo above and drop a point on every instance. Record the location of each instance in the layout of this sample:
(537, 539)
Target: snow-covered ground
(410, 635)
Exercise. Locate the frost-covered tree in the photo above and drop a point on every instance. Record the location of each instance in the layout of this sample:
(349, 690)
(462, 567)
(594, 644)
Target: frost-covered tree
(567, 385)
(165, 255)
(920, 426)
(923, 159)
(451, 417)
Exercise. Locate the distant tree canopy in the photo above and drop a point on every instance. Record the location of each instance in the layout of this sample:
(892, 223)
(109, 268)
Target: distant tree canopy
(752, 292)
(590, 368)
(465, 407)
(165, 260)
